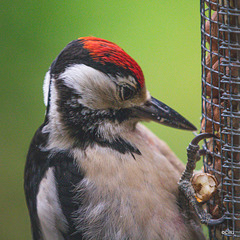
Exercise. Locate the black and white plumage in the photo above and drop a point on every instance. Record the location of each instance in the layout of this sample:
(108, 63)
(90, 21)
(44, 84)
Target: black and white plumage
(94, 172)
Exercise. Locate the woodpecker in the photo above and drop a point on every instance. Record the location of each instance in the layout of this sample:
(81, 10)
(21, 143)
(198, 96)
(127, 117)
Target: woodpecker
(92, 170)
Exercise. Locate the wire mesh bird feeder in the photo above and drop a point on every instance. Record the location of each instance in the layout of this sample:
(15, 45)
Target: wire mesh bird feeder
(220, 44)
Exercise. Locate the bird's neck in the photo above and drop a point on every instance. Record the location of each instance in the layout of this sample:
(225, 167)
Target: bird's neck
(88, 129)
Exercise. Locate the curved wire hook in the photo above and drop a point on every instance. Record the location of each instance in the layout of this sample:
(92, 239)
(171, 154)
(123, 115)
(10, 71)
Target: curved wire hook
(185, 186)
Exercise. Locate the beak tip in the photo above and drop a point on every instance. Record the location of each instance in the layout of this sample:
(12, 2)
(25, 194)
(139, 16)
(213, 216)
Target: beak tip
(188, 126)
(193, 128)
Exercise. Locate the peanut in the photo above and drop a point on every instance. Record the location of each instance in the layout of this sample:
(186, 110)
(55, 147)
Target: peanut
(211, 4)
(205, 185)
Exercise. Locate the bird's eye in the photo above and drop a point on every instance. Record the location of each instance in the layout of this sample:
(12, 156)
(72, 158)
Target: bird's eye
(126, 92)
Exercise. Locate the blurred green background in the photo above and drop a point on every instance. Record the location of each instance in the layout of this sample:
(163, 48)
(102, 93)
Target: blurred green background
(162, 36)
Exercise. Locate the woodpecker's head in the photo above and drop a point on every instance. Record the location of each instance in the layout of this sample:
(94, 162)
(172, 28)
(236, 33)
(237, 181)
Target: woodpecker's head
(94, 89)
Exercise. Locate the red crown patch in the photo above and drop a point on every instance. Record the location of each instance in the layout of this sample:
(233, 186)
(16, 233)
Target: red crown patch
(104, 51)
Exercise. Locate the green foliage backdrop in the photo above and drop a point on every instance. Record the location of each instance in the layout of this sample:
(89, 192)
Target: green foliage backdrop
(163, 36)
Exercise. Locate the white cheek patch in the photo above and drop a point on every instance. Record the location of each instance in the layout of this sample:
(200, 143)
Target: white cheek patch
(80, 76)
(97, 89)
(46, 88)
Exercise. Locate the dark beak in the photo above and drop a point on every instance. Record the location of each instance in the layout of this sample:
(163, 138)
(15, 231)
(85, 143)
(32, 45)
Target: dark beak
(159, 112)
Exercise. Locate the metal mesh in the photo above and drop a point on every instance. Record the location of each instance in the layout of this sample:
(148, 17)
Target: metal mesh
(220, 42)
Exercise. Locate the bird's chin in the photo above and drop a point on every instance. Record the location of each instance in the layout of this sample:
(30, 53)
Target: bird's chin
(154, 110)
